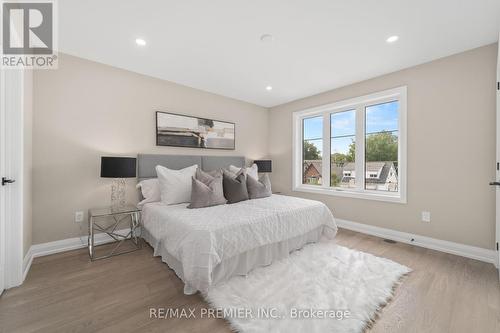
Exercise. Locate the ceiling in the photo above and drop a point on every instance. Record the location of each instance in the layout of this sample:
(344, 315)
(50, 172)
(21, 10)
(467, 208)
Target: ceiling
(317, 45)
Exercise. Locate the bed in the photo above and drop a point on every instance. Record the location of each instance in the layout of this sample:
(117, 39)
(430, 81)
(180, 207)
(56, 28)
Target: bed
(206, 246)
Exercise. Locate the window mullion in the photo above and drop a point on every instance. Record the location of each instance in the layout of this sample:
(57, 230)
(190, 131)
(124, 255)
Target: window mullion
(326, 151)
(299, 150)
(360, 147)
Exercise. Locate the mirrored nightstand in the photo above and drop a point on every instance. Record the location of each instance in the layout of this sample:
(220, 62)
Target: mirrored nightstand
(122, 217)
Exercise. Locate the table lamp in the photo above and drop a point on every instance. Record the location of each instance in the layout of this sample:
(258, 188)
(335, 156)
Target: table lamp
(118, 168)
(264, 166)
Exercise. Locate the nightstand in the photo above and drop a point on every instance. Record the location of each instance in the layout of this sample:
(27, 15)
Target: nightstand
(126, 216)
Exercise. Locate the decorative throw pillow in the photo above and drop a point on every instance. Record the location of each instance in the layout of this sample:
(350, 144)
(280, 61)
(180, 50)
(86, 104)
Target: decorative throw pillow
(235, 186)
(150, 189)
(175, 185)
(206, 176)
(259, 188)
(252, 171)
(207, 189)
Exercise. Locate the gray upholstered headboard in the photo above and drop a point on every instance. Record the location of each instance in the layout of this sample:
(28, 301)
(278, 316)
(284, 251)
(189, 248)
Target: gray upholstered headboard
(146, 163)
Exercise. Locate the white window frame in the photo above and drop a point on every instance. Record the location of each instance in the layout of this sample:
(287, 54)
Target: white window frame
(359, 104)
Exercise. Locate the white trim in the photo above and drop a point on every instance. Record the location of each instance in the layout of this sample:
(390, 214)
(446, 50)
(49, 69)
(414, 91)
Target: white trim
(497, 171)
(13, 104)
(458, 249)
(359, 158)
(350, 103)
(350, 193)
(28, 260)
(403, 144)
(296, 150)
(69, 244)
(45, 249)
(326, 148)
(3, 193)
(359, 104)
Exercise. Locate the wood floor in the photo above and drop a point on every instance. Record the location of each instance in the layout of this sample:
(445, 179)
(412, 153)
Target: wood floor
(67, 293)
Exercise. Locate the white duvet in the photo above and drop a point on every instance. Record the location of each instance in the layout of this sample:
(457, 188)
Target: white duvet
(201, 238)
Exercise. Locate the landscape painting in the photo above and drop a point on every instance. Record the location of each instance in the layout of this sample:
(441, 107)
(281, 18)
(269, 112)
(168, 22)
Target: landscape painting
(186, 131)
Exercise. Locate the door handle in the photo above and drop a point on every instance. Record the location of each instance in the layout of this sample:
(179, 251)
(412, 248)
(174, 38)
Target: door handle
(6, 181)
(495, 183)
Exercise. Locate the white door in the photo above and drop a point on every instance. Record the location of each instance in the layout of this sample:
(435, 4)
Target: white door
(498, 161)
(2, 188)
(11, 150)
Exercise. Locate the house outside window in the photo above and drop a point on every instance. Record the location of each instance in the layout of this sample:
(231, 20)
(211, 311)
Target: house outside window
(366, 141)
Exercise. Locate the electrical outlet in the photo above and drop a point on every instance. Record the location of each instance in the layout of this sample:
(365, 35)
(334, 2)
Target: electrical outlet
(78, 217)
(426, 216)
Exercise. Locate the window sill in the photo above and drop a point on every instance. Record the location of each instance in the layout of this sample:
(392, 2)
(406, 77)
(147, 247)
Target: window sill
(366, 195)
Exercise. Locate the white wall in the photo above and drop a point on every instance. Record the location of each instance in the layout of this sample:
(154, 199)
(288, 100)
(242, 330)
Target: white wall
(451, 149)
(85, 109)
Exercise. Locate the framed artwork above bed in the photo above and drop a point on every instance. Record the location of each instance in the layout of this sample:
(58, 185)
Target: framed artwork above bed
(186, 131)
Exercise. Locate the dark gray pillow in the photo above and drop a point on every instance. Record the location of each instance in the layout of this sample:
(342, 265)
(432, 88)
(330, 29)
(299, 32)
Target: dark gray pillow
(259, 188)
(235, 186)
(206, 190)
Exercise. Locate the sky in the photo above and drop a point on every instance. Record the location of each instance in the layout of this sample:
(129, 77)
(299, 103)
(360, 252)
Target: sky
(380, 117)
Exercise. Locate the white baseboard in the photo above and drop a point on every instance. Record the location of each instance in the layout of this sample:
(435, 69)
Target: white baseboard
(28, 259)
(467, 251)
(45, 249)
(477, 253)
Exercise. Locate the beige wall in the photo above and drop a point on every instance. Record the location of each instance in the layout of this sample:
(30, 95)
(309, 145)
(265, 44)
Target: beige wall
(27, 159)
(451, 149)
(84, 110)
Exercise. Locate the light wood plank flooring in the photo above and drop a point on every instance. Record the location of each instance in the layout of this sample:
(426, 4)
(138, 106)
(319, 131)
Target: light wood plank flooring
(67, 293)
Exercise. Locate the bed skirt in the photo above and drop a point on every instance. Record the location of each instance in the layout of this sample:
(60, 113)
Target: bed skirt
(241, 264)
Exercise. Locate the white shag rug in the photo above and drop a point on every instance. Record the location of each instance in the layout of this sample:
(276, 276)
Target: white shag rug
(322, 288)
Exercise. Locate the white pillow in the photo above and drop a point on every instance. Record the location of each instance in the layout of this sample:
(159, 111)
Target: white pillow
(175, 185)
(150, 189)
(252, 171)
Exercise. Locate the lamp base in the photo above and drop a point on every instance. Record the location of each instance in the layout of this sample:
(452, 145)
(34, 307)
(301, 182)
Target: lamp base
(118, 193)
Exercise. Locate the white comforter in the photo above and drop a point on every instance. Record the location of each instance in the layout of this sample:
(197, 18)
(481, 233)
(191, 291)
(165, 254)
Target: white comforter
(201, 238)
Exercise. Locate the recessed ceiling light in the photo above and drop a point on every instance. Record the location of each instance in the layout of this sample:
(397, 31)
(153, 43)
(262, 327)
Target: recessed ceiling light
(140, 42)
(392, 39)
(269, 88)
(266, 38)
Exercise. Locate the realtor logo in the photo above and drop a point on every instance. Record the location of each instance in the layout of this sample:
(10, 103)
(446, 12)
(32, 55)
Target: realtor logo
(28, 34)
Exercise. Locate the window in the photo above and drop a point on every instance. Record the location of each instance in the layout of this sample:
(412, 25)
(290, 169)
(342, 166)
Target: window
(366, 141)
(312, 145)
(342, 141)
(381, 145)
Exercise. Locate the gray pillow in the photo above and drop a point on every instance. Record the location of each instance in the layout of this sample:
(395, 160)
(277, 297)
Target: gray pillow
(206, 190)
(206, 176)
(259, 188)
(235, 186)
